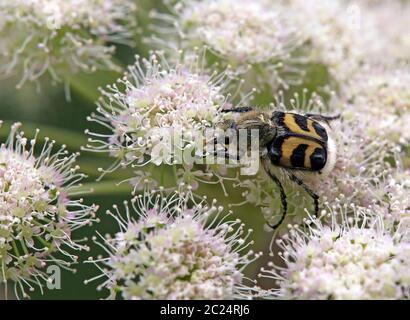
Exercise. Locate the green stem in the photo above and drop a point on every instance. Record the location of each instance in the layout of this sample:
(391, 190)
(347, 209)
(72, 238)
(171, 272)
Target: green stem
(43, 242)
(40, 224)
(15, 249)
(174, 170)
(24, 247)
(162, 179)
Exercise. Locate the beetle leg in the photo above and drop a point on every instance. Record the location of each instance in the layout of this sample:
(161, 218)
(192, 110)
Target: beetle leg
(238, 110)
(282, 195)
(314, 196)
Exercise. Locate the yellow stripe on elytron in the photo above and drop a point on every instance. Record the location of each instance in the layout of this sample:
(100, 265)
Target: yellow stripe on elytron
(290, 122)
(309, 151)
(290, 144)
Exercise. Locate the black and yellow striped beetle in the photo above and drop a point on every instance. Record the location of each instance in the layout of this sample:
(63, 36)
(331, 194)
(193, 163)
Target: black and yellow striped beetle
(291, 141)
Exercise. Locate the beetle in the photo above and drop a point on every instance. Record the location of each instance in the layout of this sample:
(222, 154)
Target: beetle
(291, 141)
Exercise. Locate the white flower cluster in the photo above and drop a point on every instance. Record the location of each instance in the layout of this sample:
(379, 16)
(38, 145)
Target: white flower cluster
(272, 43)
(383, 96)
(336, 35)
(159, 113)
(254, 35)
(59, 38)
(253, 38)
(397, 186)
(168, 249)
(37, 214)
(391, 20)
(354, 259)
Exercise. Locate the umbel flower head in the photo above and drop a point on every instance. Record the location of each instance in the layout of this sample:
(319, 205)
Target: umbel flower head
(37, 214)
(159, 113)
(254, 38)
(353, 258)
(397, 210)
(336, 34)
(381, 98)
(61, 37)
(174, 247)
(391, 19)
